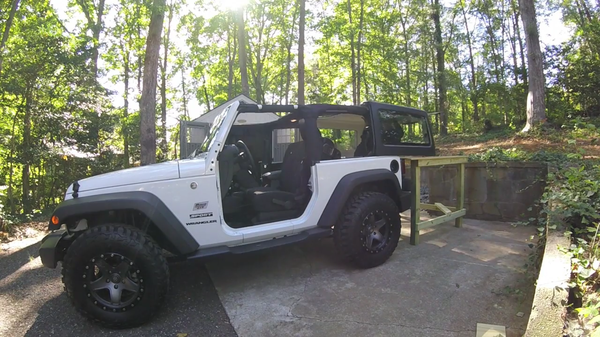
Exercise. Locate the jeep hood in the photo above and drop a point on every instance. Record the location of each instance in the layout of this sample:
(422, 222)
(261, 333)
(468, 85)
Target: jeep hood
(131, 176)
(144, 174)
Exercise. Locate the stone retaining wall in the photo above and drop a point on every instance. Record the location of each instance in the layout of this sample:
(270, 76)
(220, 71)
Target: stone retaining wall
(493, 191)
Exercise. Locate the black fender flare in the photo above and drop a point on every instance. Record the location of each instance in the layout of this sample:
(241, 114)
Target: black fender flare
(347, 186)
(174, 233)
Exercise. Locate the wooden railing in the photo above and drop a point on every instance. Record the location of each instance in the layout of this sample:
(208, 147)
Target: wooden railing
(450, 213)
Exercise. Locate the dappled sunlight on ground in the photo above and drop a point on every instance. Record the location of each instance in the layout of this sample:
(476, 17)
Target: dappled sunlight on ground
(32, 265)
(494, 244)
(484, 250)
(16, 246)
(438, 243)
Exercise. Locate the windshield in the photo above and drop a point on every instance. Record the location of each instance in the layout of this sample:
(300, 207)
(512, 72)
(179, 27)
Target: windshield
(212, 133)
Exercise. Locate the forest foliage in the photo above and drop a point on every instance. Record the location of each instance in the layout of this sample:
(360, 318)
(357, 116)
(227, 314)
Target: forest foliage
(71, 72)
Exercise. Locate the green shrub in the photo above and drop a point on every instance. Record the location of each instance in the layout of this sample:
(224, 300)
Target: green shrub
(574, 194)
(572, 197)
(497, 154)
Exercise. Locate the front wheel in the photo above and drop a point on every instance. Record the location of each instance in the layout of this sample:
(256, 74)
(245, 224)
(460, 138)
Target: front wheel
(368, 231)
(116, 275)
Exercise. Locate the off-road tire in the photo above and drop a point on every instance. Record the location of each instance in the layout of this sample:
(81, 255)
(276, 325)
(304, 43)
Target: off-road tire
(134, 247)
(349, 231)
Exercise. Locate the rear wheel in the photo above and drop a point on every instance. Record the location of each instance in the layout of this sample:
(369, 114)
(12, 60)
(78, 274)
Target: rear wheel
(116, 275)
(368, 231)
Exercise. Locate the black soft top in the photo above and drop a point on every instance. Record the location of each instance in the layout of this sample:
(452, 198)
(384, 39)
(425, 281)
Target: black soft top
(305, 111)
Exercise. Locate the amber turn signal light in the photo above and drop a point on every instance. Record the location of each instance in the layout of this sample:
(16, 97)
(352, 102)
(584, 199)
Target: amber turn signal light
(54, 220)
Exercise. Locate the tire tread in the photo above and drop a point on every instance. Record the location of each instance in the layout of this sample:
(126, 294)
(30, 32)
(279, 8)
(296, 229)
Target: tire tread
(134, 238)
(349, 223)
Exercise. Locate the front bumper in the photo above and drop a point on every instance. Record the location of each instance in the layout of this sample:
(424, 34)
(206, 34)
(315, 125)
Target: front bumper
(54, 246)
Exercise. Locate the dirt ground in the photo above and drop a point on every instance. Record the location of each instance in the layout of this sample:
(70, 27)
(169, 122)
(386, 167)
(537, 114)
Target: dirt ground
(24, 231)
(457, 145)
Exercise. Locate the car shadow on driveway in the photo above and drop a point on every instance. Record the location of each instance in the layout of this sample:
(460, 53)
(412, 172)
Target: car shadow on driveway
(14, 258)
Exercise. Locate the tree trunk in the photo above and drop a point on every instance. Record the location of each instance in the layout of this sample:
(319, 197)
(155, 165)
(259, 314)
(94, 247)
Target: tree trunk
(517, 35)
(231, 60)
(473, 84)
(518, 111)
(7, 26)
(463, 110)
(11, 163)
(148, 100)
(138, 7)
(126, 70)
(358, 50)
(34, 175)
(288, 76)
(513, 45)
(289, 57)
(27, 152)
(493, 48)
(163, 88)
(205, 93)
(243, 55)
(406, 58)
(301, 52)
(95, 25)
(424, 69)
(521, 49)
(536, 105)
(366, 77)
(184, 92)
(97, 29)
(353, 58)
(140, 67)
(441, 71)
(257, 70)
(436, 101)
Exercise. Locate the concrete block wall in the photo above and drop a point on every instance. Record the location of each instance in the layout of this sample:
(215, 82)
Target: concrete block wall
(493, 191)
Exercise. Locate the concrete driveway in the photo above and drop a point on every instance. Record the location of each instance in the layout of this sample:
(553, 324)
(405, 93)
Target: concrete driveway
(453, 280)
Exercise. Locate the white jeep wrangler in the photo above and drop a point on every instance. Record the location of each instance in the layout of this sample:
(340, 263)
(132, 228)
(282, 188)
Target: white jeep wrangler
(247, 187)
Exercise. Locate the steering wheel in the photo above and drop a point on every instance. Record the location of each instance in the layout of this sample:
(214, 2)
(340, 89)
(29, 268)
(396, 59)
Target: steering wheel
(246, 159)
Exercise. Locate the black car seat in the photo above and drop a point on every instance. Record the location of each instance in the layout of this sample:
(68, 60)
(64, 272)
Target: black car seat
(292, 194)
(227, 159)
(366, 144)
(329, 150)
(393, 134)
(233, 202)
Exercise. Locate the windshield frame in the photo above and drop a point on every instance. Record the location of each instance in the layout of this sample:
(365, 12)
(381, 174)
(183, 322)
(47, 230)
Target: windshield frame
(211, 135)
(220, 129)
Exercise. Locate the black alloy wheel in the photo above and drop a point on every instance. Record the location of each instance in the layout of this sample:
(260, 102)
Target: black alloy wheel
(116, 275)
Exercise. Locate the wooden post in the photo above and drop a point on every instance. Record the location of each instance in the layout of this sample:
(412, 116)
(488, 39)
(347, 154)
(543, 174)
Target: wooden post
(461, 195)
(415, 209)
(450, 213)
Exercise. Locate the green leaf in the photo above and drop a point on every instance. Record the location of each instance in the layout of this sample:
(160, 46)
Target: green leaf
(586, 273)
